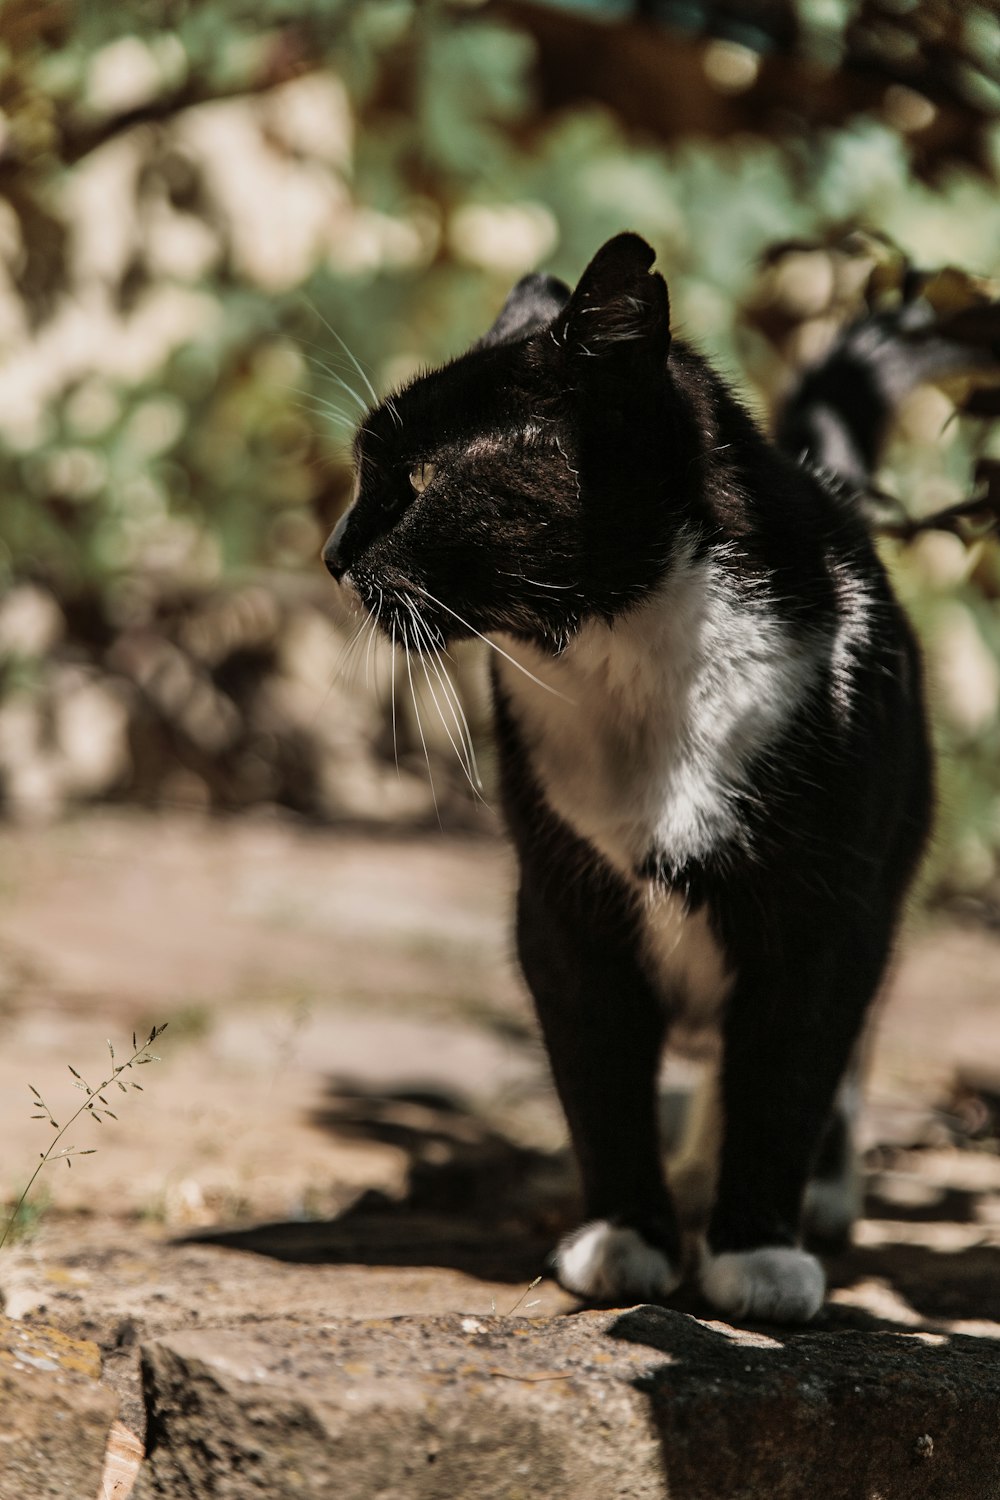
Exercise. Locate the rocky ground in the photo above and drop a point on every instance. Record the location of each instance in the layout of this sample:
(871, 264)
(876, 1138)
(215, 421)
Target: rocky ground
(305, 1251)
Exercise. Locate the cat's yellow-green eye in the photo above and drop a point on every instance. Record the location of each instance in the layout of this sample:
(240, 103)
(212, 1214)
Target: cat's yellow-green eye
(421, 476)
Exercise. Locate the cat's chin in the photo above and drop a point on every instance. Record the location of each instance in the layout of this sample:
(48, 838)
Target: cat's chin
(777, 1283)
(604, 1262)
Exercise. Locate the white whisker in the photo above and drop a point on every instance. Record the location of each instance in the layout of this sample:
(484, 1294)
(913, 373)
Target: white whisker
(362, 404)
(498, 649)
(392, 694)
(454, 699)
(371, 639)
(422, 635)
(347, 651)
(463, 762)
(354, 360)
(536, 582)
(364, 638)
(420, 727)
(388, 403)
(327, 410)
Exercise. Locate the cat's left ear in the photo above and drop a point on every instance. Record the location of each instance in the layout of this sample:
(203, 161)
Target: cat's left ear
(530, 306)
(619, 305)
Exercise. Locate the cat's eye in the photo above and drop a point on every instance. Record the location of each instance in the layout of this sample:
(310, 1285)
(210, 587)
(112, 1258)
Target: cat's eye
(421, 476)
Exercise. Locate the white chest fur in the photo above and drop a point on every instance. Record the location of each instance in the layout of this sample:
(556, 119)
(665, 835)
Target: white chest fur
(646, 735)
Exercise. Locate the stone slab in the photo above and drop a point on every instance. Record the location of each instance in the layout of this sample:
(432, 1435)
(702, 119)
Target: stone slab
(598, 1406)
(123, 1285)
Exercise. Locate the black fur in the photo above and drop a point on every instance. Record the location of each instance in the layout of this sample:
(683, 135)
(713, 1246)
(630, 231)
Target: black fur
(575, 448)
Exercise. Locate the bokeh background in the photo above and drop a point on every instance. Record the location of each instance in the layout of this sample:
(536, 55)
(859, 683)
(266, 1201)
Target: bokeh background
(203, 206)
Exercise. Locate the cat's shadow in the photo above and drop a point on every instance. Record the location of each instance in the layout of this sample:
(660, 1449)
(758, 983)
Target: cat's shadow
(475, 1200)
(479, 1202)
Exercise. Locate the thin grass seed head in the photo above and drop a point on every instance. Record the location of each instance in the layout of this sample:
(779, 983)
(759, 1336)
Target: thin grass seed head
(95, 1097)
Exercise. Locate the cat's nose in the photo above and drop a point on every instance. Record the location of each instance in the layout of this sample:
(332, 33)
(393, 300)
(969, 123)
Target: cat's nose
(331, 553)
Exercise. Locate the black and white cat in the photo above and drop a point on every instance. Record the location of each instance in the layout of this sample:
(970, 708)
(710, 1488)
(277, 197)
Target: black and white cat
(712, 746)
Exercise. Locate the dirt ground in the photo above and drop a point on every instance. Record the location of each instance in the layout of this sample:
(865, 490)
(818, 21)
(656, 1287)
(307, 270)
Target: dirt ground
(352, 1113)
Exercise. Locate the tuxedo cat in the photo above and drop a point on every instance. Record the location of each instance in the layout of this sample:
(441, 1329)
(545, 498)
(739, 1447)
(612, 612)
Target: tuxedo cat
(711, 737)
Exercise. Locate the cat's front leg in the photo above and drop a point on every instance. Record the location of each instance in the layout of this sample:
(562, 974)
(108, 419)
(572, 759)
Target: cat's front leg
(603, 1030)
(787, 1040)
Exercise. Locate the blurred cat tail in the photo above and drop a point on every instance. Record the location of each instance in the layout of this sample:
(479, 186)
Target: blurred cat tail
(839, 413)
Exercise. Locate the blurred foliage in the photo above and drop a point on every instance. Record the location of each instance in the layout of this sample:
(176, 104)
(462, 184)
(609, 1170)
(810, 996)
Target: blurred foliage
(929, 68)
(204, 206)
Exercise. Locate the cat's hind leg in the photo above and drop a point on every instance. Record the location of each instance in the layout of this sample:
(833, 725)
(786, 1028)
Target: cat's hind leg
(693, 1166)
(834, 1198)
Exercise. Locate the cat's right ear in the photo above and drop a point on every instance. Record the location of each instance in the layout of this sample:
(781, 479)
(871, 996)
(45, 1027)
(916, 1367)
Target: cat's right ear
(531, 306)
(620, 306)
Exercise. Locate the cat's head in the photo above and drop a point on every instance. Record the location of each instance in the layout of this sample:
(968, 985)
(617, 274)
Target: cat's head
(519, 488)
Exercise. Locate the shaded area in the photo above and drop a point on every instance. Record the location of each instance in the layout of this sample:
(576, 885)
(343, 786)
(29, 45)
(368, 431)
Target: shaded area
(910, 1199)
(940, 1285)
(867, 1413)
(476, 1201)
(479, 1202)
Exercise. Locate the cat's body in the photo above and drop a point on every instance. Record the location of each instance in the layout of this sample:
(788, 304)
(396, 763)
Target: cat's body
(711, 743)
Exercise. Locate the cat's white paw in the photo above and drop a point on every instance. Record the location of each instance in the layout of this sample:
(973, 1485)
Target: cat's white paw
(611, 1264)
(777, 1283)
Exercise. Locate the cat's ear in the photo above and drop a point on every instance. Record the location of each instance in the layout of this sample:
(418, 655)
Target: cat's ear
(531, 305)
(619, 306)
